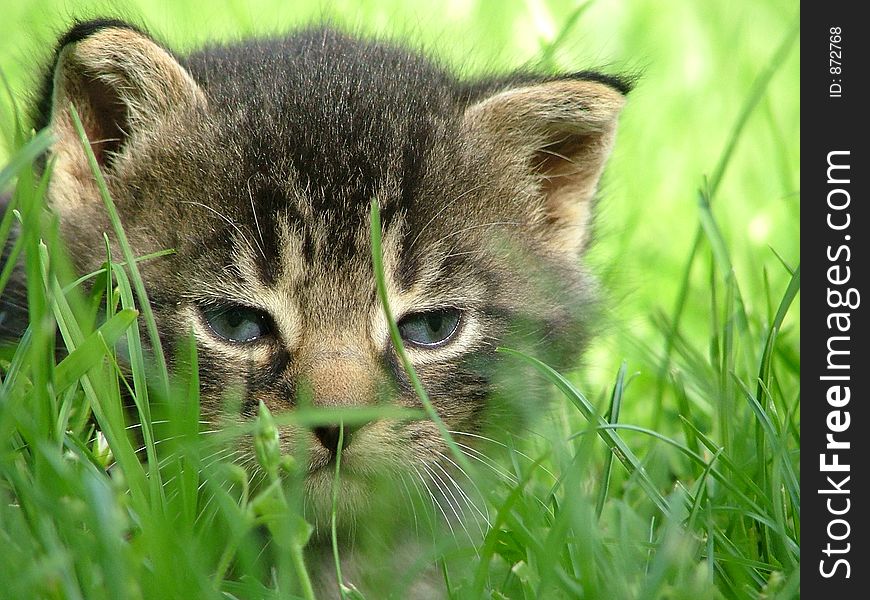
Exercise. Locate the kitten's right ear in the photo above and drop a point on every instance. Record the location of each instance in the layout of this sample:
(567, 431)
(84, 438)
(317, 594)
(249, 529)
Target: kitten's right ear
(123, 86)
(557, 132)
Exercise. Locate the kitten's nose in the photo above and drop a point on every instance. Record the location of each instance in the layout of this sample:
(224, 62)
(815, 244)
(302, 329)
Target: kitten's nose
(330, 434)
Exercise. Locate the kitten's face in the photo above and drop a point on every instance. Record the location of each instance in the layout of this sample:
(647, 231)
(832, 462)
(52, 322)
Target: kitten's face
(259, 171)
(275, 279)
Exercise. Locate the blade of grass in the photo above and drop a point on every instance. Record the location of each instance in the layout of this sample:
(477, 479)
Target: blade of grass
(138, 368)
(107, 408)
(36, 360)
(723, 259)
(788, 297)
(336, 482)
(491, 539)
(395, 336)
(89, 352)
(135, 277)
(613, 417)
(613, 441)
(10, 215)
(548, 51)
(718, 475)
(735, 471)
(685, 412)
(139, 259)
(759, 87)
(18, 133)
(184, 416)
(700, 495)
(773, 433)
(25, 156)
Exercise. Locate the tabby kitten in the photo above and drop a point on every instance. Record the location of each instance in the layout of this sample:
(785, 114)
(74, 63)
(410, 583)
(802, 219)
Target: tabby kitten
(257, 162)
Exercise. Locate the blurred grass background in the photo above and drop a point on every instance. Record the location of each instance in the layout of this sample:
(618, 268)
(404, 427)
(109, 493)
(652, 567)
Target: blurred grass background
(700, 64)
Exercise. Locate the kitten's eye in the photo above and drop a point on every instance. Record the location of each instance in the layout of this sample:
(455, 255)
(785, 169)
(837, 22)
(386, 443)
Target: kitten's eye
(430, 328)
(237, 323)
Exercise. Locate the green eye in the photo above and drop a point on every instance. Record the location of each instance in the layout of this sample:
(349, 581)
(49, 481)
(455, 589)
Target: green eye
(240, 324)
(430, 328)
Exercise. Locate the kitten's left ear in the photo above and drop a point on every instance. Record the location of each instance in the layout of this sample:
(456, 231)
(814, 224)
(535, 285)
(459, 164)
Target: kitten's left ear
(559, 134)
(122, 83)
(127, 89)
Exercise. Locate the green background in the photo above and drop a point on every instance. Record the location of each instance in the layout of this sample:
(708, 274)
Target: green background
(714, 119)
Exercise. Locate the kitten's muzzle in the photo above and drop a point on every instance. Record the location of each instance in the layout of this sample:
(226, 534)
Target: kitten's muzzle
(338, 375)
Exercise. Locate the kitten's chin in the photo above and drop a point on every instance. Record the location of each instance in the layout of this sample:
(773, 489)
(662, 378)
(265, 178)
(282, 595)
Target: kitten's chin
(355, 496)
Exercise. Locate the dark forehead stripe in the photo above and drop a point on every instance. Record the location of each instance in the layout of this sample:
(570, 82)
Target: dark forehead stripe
(271, 210)
(343, 115)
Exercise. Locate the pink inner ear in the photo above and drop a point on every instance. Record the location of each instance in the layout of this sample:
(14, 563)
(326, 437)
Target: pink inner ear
(568, 169)
(560, 162)
(104, 118)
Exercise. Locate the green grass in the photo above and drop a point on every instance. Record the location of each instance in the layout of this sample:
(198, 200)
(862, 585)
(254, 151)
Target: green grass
(668, 467)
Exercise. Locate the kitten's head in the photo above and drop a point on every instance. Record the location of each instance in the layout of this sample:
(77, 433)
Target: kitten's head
(257, 164)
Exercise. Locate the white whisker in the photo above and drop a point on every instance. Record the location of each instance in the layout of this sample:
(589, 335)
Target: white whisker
(506, 447)
(225, 219)
(411, 502)
(447, 495)
(488, 462)
(256, 220)
(201, 472)
(435, 502)
(442, 211)
(158, 422)
(472, 505)
(174, 438)
(477, 226)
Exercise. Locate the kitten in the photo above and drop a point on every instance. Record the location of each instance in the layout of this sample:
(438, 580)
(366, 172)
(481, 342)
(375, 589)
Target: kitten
(257, 162)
